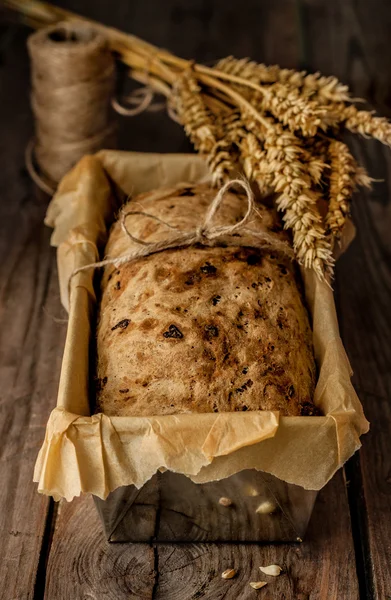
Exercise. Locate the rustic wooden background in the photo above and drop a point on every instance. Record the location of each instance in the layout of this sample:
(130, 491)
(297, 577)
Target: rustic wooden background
(58, 552)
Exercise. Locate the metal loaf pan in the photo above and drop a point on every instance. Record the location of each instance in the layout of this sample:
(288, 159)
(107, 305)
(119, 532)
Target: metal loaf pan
(249, 506)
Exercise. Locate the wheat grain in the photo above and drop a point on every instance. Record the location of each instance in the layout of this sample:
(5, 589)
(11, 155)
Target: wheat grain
(365, 123)
(255, 164)
(328, 89)
(342, 183)
(297, 198)
(315, 156)
(362, 178)
(294, 111)
(193, 113)
(223, 157)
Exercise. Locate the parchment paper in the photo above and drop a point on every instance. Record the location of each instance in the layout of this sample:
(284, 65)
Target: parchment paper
(97, 454)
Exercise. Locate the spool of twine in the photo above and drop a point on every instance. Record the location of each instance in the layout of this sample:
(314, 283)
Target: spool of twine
(73, 80)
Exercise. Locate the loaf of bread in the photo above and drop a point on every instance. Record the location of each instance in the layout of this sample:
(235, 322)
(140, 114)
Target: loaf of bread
(202, 329)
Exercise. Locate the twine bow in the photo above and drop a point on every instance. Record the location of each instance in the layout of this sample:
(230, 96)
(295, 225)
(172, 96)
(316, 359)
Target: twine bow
(206, 234)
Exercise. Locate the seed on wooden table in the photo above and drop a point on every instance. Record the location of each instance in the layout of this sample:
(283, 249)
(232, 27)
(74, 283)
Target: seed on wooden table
(251, 491)
(225, 501)
(228, 574)
(257, 585)
(273, 570)
(265, 508)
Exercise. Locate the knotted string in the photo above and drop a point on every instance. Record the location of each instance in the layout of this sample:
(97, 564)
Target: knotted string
(205, 234)
(141, 99)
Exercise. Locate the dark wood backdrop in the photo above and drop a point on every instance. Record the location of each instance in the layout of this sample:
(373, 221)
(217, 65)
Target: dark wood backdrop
(58, 552)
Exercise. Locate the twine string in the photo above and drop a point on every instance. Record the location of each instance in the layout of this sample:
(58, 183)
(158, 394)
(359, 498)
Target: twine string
(142, 101)
(73, 80)
(205, 234)
(124, 216)
(141, 98)
(42, 182)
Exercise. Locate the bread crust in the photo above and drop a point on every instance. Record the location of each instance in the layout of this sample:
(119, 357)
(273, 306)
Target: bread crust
(202, 329)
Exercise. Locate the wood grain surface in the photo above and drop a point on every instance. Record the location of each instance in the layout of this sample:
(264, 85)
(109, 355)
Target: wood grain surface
(30, 340)
(83, 565)
(366, 331)
(59, 552)
(346, 39)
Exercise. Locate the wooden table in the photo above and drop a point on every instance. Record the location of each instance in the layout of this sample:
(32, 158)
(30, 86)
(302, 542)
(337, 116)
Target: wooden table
(57, 551)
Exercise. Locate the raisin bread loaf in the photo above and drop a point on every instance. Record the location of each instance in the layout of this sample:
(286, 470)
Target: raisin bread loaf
(202, 329)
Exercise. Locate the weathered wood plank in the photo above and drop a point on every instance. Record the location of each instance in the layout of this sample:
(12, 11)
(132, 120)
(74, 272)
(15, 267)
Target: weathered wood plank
(29, 367)
(30, 341)
(264, 30)
(83, 565)
(350, 40)
(321, 567)
(366, 329)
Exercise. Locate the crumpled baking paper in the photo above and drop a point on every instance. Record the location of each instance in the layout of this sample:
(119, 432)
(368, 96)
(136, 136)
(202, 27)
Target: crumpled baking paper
(97, 454)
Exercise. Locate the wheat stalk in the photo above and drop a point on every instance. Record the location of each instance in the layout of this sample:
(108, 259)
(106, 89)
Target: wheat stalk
(344, 178)
(224, 158)
(280, 127)
(315, 155)
(327, 89)
(342, 170)
(255, 164)
(294, 111)
(298, 198)
(366, 124)
(194, 114)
